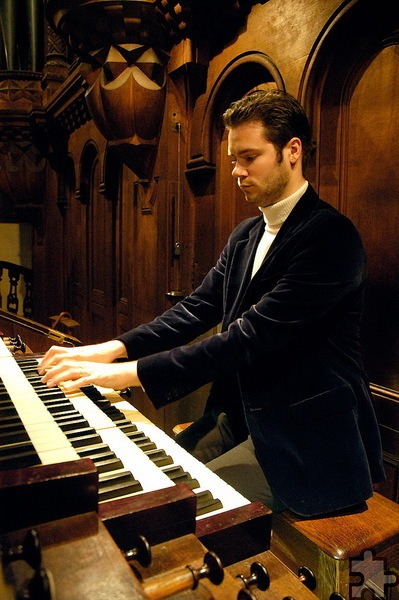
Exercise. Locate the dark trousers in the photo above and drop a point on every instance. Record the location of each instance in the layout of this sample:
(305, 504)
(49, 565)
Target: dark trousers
(211, 441)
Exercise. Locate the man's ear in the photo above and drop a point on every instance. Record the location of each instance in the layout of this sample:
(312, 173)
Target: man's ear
(295, 149)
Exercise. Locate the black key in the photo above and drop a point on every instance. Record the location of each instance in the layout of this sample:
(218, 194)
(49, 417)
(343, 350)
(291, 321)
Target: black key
(70, 415)
(102, 456)
(31, 372)
(144, 445)
(112, 413)
(34, 378)
(174, 472)
(93, 450)
(6, 402)
(159, 457)
(19, 455)
(14, 436)
(19, 460)
(126, 427)
(138, 437)
(57, 407)
(38, 385)
(10, 419)
(82, 432)
(7, 410)
(178, 475)
(108, 409)
(49, 393)
(206, 503)
(85, 440)
(73, 425)
(24, 361)
(104, 465)
(105, 455)
(114, 485)
(92, 392)
(9, 427)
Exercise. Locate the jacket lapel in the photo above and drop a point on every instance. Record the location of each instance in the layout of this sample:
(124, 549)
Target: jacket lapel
(244, 254)
(240, 275)
(299, 216)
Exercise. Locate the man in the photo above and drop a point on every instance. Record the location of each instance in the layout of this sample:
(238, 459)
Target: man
(286, 367)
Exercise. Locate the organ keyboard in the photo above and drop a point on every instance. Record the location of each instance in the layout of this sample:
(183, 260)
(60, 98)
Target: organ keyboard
(42, 426)
(39, 425)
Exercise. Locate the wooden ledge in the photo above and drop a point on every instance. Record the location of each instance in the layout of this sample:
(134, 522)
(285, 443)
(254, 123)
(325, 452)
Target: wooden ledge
(348, 535)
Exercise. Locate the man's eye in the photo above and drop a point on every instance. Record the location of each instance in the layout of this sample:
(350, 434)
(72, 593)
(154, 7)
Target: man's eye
(243, 160)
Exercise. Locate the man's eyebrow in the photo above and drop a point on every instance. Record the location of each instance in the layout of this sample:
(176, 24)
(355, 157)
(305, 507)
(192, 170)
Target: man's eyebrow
(243, 151)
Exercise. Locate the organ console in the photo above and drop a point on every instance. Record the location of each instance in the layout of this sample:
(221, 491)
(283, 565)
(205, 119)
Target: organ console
(112, 502)
(43, 426)
(97, 502)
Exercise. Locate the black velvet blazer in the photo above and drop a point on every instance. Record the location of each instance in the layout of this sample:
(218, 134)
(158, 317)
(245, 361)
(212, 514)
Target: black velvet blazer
(288, 356)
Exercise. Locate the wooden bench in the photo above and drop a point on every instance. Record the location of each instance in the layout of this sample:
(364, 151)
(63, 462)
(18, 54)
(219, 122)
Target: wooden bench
(350, 555)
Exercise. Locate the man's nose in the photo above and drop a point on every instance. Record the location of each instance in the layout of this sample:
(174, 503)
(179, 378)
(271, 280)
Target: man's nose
(239, 171)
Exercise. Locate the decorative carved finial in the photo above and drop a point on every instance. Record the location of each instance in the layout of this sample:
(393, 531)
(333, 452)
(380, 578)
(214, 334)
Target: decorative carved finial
(124, 49)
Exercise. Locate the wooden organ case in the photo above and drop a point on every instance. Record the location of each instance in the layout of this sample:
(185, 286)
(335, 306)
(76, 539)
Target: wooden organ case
(97, 502)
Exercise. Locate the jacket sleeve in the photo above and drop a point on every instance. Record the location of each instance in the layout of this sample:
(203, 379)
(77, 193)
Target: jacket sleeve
(191, 317)
(324, 267)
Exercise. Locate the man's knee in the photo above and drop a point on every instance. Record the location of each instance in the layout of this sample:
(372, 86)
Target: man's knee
(208, 437)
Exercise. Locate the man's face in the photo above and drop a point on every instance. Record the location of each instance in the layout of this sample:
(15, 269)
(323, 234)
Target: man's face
(261, 173)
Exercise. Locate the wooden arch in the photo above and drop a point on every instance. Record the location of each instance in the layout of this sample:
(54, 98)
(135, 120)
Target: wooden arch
(349, 89)
(89, 156)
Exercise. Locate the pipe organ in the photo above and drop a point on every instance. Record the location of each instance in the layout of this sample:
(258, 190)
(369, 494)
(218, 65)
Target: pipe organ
(98, 502)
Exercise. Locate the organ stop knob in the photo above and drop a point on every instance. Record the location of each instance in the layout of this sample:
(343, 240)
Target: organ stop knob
(177, 580)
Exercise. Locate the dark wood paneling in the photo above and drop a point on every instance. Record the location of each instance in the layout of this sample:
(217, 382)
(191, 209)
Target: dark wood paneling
(387, 408)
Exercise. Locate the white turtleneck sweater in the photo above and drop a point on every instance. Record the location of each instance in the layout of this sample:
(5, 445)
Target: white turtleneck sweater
(274, 216)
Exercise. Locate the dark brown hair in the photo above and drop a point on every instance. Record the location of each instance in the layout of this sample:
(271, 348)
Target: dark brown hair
(281, 114)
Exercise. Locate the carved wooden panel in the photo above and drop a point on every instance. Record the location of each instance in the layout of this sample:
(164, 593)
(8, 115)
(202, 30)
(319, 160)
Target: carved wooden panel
(372, 181)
